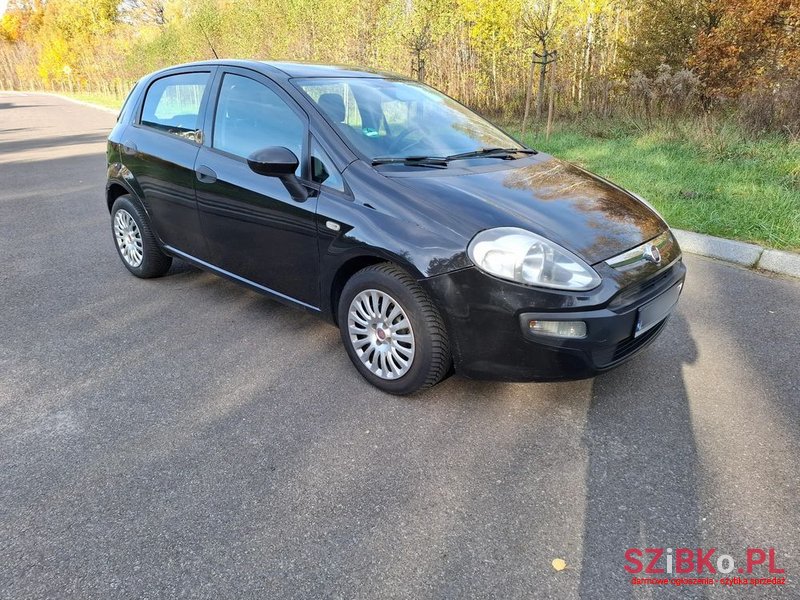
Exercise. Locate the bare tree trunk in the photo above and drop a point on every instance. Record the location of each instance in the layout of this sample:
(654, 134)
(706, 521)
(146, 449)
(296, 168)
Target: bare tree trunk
(552, 93)
(587, 59)
(575, 78)
(528, 94)
(542, 80)
(494, 79)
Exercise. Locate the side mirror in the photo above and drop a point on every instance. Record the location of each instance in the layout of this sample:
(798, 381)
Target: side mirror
(274, 161)
(280, 162)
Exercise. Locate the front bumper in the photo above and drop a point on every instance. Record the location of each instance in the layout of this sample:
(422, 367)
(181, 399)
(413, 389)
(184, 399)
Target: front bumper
(487, 322)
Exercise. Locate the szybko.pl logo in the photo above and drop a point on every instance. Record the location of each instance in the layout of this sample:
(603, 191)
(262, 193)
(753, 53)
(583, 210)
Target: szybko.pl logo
(699, 566)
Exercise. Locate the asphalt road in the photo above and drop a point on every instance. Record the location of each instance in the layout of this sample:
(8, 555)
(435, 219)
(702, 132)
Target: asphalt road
(185, 437)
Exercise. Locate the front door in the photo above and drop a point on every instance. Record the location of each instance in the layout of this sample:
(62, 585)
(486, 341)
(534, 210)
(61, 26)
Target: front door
(253, 227)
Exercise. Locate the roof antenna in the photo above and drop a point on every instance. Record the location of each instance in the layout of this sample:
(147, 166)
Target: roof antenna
(210, 45)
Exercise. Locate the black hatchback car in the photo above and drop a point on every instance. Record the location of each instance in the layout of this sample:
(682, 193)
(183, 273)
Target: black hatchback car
(435, 241)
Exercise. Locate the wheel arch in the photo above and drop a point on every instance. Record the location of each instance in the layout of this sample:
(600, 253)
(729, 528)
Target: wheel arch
(353, 265)
(120, 181)
(345, 271)
(114, 191)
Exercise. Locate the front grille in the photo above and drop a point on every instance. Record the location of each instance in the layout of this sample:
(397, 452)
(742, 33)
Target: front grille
(644, 289)
(632, 344)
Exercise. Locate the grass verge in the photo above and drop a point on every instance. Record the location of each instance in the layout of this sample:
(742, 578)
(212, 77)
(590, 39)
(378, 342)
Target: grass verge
(105, 100)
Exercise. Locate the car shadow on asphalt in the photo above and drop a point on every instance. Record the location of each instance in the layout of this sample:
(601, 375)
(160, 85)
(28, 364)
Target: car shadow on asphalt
(53, 142)
(12, 105)
(642, 479)
(181, 267)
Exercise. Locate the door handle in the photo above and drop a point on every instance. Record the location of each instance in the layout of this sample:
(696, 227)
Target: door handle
(205, 174)
(129, 148)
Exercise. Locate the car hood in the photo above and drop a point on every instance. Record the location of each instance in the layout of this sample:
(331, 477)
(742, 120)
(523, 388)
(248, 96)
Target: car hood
(574, 208)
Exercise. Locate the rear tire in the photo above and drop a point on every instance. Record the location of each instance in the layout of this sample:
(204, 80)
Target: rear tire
(392, 331)
(134, 240)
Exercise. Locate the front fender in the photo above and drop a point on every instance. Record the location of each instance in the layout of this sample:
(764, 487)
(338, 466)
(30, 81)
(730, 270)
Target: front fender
(363, 229)
(366, 235)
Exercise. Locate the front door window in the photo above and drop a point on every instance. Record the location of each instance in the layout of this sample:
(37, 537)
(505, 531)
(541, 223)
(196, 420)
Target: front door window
(250, 116)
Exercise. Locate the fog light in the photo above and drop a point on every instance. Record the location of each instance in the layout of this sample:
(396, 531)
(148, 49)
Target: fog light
(566, 329)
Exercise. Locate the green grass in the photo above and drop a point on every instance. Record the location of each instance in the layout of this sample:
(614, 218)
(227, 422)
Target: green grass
(99, 98)
(720, 183)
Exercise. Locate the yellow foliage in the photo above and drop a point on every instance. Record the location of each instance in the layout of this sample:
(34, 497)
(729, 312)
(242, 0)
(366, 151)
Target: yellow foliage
(70, 32)
(11, 27)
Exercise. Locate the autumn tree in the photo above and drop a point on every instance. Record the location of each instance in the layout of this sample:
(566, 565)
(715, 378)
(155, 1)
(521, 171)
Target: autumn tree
(666, 32)
(753, 44)
(539, 21)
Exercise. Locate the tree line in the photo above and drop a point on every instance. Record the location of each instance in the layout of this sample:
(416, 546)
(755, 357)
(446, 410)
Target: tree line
(649, 59)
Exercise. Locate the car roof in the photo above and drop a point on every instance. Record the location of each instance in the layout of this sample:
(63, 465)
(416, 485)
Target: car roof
(294, 69)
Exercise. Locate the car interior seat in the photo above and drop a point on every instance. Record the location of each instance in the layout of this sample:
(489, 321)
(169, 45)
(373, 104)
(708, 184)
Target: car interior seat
(332, 104)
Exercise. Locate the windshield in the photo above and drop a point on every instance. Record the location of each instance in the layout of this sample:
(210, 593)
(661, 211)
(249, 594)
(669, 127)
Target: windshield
(396, 119)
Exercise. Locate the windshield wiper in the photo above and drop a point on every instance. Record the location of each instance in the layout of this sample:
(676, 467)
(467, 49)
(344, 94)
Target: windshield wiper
(440, 162)
(437, 162)
(490, 153)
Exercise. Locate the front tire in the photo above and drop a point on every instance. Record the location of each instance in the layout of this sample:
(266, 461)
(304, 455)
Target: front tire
(393, 333)
(134, 240)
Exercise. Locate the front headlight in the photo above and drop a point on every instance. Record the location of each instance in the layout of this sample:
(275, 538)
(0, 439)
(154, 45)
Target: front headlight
(519, 255)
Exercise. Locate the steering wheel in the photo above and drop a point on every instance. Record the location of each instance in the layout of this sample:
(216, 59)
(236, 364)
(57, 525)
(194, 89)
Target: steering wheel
(398, 148)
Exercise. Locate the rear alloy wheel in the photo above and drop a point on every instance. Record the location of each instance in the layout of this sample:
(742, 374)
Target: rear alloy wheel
(129, 238)
(134, 240)
(392, 331)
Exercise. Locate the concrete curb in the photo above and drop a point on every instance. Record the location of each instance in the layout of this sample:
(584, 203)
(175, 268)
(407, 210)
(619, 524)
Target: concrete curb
(777, 261)
(740, 253)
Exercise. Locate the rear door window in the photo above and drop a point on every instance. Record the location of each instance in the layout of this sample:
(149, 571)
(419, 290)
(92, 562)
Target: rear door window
(172, 103)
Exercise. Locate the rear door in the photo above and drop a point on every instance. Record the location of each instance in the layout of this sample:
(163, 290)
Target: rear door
(254, 228)
(161, 148)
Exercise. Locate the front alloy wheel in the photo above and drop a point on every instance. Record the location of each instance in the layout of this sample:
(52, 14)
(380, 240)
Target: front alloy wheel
(381, 334)
(392, 331)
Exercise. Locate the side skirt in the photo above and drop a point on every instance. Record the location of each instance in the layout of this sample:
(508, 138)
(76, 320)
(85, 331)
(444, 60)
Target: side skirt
(242, 280)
